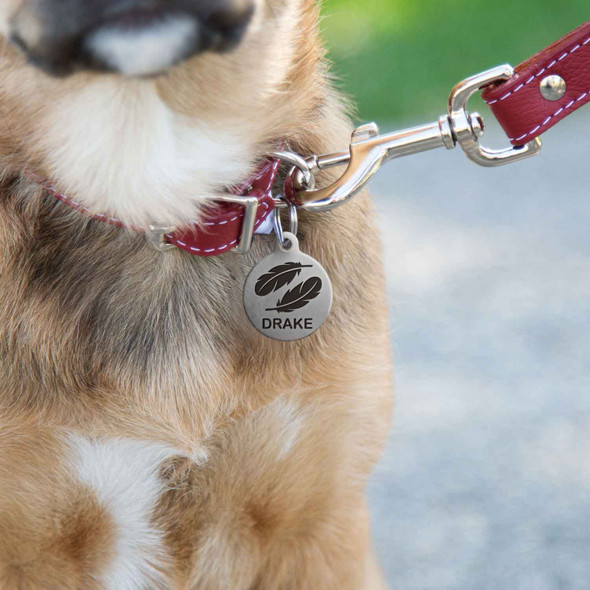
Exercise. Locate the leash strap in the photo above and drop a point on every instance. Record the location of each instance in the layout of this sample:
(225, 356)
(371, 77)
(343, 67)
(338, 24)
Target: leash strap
(544, 89)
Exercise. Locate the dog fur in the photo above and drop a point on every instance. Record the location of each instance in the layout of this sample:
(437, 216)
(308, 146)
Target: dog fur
(149, 437)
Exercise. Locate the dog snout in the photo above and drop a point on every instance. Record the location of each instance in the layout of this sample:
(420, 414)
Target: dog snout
(132, 37)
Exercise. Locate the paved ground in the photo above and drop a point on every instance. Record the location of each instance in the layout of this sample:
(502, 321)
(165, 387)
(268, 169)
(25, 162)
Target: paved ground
(486, 480)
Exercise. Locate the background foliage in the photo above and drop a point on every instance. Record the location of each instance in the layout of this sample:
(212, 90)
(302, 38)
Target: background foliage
(400, 58)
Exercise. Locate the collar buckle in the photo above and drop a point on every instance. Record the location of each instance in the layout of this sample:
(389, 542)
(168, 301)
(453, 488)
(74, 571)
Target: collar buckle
(250, 205)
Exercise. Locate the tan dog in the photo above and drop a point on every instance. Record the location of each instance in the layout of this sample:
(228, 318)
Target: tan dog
(149, 436)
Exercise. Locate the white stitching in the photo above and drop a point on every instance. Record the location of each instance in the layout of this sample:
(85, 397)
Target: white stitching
(195, 249)
(540, 72)
(224, 246)
(557, 112)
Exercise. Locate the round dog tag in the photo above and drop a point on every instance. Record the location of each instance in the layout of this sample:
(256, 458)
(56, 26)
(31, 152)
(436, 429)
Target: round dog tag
(287, 295)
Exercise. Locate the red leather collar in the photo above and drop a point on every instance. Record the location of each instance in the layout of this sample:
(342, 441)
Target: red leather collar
(518, 103)
(221, 227)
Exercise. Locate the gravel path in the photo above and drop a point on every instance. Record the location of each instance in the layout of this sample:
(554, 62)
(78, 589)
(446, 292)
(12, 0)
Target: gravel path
(486, 480)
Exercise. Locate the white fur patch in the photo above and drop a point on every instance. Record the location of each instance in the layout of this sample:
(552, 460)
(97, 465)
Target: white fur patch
(115, 147)
(141, 51)
(124, 476)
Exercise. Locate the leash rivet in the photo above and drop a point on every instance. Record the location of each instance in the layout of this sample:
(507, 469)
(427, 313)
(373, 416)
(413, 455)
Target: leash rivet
(552, 87)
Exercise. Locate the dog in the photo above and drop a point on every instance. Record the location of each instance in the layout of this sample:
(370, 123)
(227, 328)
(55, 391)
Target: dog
(149, 436)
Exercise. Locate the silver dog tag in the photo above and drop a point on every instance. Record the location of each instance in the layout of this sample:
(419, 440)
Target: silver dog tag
(287, 295)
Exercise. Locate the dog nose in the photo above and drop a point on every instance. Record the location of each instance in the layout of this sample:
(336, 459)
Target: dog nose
(132, 37)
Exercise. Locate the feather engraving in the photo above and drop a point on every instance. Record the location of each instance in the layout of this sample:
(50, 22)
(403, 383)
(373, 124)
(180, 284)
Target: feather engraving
(278, 277)
(299, 296)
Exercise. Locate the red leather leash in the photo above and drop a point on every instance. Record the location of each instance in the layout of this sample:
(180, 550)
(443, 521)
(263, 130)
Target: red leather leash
(221, 228)
(526, 101)
(530, 102)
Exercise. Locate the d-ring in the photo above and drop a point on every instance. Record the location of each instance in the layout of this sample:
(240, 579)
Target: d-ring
(298, 162)
(293, 223)
(302, 169)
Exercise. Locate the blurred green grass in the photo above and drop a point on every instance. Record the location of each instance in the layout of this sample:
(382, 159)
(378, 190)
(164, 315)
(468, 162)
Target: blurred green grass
(398, 59)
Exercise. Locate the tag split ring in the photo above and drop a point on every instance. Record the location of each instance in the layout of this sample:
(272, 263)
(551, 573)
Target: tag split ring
(278, 225)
